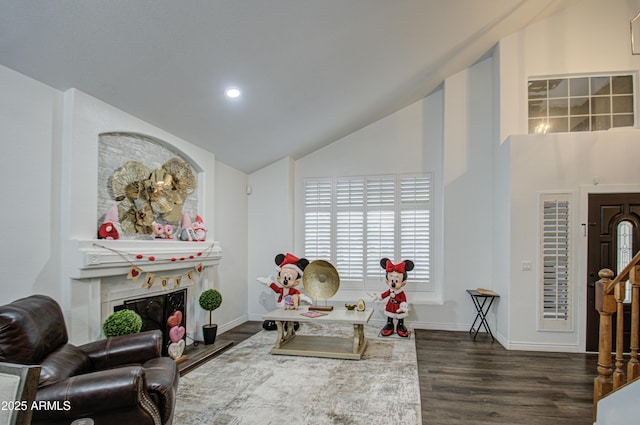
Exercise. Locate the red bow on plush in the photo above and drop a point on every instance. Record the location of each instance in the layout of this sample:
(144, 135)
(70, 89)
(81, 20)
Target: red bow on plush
(394, 267)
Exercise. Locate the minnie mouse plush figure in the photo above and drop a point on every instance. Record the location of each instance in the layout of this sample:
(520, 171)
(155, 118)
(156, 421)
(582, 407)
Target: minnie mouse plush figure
(397, 306)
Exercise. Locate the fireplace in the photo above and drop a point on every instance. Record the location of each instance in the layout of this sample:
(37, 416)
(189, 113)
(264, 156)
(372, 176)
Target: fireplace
(155, 310)
(95, 272)
(101, 284)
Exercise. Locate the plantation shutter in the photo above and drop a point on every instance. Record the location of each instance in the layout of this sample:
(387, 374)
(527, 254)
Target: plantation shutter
(317, 219)
(350, 228)
(381, 199)
(415, 224)
(353, 222)
(555, 250)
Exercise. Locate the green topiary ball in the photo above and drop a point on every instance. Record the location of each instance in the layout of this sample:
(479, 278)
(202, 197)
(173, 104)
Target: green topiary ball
(122, 322)
(210, 299)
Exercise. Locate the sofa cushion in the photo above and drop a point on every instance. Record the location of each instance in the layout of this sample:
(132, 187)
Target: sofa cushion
(63, 363)
(31, 328)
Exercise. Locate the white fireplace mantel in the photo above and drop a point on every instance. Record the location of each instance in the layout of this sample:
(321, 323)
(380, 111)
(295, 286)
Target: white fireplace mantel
(101, 258)
(99, 270)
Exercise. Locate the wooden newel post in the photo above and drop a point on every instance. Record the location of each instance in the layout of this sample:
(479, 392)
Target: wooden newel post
(606, 306)
(618, 374)
(633, 367)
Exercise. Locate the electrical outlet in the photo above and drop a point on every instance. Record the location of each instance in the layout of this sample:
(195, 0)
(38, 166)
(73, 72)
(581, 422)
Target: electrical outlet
(527, 265)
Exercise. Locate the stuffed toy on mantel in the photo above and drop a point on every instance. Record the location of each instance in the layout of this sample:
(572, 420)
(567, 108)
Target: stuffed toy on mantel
(109, 228)
(397, 307)
(194, 232)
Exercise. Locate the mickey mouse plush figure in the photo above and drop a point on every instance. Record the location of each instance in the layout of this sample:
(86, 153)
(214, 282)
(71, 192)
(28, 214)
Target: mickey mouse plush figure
(290, 269)
(397, 306)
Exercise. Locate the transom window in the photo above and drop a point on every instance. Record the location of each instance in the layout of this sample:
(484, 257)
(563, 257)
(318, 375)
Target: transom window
(353, 222)
(585, 103)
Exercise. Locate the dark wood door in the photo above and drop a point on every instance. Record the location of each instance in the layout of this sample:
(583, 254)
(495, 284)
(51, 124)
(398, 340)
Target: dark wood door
(613, 225)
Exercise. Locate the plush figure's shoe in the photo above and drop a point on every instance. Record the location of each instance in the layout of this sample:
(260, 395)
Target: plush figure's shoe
(387, 330)
(269, 325)
(402, 330)
(296, 326)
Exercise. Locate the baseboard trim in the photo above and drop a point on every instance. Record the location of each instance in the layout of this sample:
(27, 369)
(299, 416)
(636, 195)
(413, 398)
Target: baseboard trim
(533, 346)
(232, 324)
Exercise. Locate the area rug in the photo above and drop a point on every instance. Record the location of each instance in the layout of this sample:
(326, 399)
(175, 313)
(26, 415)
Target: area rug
(247, 385)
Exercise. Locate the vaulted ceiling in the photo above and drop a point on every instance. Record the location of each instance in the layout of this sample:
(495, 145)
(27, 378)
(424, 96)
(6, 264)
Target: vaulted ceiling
(310, 71)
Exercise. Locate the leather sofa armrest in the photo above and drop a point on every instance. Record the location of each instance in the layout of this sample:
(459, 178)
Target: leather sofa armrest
(97, 394)
(121, 350)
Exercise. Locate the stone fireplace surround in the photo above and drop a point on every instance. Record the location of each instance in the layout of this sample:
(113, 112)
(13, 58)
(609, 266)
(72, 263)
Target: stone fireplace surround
(93, 278)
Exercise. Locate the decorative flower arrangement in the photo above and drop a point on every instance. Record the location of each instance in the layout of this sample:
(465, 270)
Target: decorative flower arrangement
(149, 200)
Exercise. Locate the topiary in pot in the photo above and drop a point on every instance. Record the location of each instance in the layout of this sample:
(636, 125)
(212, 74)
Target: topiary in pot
(122, 322)
(210, 300)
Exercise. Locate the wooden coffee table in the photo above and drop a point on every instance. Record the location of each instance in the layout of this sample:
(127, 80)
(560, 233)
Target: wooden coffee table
(289, 343)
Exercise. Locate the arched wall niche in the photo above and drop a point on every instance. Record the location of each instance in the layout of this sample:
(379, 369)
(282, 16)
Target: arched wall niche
(116, 148)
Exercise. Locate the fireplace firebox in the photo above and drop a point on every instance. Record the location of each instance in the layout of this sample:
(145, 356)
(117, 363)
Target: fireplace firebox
(155, 310)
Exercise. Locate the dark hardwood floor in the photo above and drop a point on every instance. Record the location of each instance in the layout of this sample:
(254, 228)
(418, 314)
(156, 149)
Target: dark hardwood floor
(198, 354)
(463, 381)
(479, 382)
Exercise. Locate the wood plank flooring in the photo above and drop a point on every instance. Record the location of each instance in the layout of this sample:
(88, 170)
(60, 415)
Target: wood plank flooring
(463, 381)
(197, 355)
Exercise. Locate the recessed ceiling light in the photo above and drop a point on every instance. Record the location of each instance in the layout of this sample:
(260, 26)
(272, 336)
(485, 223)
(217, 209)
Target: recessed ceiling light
(232, 92)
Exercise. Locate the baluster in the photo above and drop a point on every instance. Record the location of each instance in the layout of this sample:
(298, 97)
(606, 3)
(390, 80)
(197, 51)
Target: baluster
(606, 306)
(618, 374)
(633, 368)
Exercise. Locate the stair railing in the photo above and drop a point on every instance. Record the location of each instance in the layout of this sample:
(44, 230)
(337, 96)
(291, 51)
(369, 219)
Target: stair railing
(610, 295)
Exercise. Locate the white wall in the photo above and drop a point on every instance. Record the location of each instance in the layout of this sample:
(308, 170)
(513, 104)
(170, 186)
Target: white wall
(590, 37)
(30, 139)
(468, 188)
(560, 163)
(416, 139)
(231, 230)
(485, 229)
(42, 167)
(409, 141)
(271, 220)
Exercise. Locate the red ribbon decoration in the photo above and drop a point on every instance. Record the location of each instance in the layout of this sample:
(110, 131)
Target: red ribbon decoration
(395, 267)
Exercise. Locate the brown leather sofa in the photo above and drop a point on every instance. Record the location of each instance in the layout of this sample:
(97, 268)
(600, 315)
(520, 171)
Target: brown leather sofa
(120, 380)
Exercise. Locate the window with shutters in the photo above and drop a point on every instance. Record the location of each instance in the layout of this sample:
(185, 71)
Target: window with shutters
(555, 273)
(353, 222)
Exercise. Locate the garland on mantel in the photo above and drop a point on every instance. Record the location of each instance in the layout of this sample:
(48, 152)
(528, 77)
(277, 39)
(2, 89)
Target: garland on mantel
(150, 279)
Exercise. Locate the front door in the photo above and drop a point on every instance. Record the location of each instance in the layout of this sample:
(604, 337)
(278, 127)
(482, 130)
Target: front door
(613, 238)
